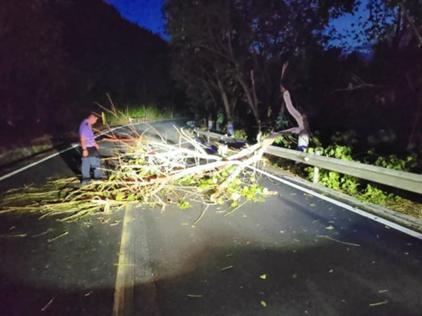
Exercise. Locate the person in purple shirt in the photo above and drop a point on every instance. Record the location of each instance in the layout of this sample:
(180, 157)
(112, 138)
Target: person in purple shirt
(90, 154)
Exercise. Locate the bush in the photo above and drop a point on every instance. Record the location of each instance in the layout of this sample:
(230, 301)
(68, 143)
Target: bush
(144, 112)
(354, 186)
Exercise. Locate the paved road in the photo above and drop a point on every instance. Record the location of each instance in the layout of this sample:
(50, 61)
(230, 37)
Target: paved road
(292, 255)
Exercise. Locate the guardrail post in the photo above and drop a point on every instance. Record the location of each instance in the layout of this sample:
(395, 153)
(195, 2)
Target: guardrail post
(315, 178)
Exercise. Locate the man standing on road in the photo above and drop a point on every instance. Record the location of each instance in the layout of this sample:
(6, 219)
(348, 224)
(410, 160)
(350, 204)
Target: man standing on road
(90, 154)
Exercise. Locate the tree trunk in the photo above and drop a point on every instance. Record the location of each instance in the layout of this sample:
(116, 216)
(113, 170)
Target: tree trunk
(292, 110)
(224, 97)
(412, 143)
(249, 98)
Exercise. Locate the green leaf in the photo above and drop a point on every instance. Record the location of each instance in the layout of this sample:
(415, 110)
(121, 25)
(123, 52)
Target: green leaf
(184, 204)
(119, 196)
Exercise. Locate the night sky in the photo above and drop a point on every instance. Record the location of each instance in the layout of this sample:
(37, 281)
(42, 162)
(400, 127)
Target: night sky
(148, 14)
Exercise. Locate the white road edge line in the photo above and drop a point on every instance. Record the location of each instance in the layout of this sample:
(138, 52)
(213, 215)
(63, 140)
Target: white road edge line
(6, 176)
(356, 210)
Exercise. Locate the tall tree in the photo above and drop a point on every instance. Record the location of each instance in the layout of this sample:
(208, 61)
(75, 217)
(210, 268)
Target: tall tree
(58, 57)
(243, 43)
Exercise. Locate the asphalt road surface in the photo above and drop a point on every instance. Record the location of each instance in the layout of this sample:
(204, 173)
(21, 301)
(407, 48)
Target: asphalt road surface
(293, 254)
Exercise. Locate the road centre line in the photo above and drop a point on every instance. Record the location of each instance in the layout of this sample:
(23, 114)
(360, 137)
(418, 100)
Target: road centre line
(348, 207)
(134, 268)
(124, 285)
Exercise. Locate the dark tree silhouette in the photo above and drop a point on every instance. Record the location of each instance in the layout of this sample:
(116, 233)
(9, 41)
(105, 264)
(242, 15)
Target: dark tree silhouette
(58, 57)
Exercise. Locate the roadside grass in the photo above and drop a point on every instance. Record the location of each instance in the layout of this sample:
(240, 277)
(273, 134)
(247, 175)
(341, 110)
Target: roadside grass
(121, 116)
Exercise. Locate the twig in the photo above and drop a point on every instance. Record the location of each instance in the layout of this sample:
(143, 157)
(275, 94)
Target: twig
(202, 215)
(195, 296)
(235, 209)
(42, 234)
(378, 303)
(339, 241)
(48, 304)
(57, 237)
(226, 268)
(13, 236)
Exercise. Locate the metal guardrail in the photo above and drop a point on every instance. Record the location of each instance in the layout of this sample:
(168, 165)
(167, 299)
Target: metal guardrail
(398, 179)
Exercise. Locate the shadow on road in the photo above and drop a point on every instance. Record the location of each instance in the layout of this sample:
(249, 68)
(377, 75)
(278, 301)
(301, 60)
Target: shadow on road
(314, 280)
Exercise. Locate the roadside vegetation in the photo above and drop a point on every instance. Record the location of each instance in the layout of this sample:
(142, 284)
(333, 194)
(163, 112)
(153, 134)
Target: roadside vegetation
(50, 83)
(125, 115)
(272, 67)
(345, 146)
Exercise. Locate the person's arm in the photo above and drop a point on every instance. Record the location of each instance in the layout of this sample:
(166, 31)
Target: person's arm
(84, 148)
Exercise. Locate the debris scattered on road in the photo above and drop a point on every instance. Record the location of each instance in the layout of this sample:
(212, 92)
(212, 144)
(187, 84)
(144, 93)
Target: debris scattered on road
(330, 227)
(382, 291)
(48, 304)
(43, 233)
(13, 236)
(202, 215)
(57, 237)
(151, 173)
(195, 296)
(263, 276)
(263, 304)
(235, 209)
(227, 268)
(338, 241)
(378, 303)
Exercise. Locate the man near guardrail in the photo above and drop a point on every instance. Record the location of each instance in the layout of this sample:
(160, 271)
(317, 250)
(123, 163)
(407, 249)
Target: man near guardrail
(303, 140)
(90, 154)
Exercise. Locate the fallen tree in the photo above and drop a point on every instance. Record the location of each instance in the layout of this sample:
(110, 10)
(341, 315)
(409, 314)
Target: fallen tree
(153, 173)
